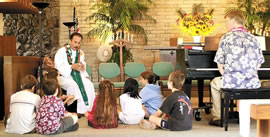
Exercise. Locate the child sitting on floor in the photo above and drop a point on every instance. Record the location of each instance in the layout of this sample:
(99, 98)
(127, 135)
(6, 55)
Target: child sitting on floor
(176, 111)
(50, 116)
(104, 111)
(131, 103)
(23, 105)
(53, 73)
(150, 94)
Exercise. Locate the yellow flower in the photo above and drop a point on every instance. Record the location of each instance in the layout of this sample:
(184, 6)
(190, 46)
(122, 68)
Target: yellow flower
(204, 27)
(196, 23)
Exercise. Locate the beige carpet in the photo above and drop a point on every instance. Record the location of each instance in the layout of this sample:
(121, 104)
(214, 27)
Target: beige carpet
(200, 129)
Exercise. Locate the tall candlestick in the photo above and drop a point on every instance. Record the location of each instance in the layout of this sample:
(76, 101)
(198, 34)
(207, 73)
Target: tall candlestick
(74, 14)
(74, 17)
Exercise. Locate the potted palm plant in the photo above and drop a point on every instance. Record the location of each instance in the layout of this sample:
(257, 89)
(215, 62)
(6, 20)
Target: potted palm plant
(255, 15)
(250, 12)
(112, 16)
(264, 15)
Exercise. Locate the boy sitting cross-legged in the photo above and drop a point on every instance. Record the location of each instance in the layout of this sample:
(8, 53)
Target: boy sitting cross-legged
(51, 117)
(176, 111)
(23, 105)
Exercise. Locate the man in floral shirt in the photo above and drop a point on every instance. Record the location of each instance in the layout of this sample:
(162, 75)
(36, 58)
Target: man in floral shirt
(238, 58)
(51, 117)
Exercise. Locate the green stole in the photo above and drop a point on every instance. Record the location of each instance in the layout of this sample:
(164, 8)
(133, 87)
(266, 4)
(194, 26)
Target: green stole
(76, 74)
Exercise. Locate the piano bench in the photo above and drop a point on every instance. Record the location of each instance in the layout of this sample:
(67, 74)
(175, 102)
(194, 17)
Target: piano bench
(233, 94)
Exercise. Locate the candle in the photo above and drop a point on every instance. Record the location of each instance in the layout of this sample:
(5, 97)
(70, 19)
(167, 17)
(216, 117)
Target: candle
(128, 36)
(131, 37)
(124, 35)
(117, 35)
(121, 34)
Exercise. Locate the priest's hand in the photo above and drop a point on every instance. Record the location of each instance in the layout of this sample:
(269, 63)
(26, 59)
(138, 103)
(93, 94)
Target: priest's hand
(78, 66)
(82, 66)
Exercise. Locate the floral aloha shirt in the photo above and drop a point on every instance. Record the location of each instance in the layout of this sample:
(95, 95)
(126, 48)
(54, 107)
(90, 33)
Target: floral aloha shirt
(50, 111)
(241, 55)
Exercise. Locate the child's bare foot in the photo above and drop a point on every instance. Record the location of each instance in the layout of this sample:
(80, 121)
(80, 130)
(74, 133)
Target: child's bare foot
(147, 124)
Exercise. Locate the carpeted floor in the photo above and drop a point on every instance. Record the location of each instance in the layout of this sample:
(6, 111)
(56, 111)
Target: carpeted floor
(200, 129)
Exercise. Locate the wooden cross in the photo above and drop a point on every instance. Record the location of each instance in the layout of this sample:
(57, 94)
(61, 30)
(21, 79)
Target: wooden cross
(120, 43)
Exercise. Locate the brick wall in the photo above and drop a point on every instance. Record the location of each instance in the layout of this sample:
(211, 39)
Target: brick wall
(158, 34)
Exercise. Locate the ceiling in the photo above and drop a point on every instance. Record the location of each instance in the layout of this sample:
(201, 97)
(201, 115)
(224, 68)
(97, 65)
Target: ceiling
(17, 7)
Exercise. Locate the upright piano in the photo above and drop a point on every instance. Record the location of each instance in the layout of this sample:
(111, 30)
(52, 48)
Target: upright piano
(199, 65)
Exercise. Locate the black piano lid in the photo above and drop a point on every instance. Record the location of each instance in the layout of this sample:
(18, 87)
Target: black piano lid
(266, 52)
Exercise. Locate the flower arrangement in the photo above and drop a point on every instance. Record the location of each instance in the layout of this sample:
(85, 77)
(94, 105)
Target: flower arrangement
(196, 23)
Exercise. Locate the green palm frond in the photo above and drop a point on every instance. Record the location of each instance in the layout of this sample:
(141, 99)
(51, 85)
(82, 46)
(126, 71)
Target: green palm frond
(99, 17)
(253, 12)
(119, 15)
(102, 32)
(139, 30)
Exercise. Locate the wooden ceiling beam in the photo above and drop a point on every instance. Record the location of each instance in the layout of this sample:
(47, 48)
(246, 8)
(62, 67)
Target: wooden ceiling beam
(17, 7)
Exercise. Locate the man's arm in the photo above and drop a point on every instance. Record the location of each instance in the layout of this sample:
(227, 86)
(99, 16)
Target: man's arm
(221, 68)
(61, 63)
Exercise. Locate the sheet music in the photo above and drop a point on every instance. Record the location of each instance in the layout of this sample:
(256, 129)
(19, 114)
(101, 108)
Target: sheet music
(261, 40)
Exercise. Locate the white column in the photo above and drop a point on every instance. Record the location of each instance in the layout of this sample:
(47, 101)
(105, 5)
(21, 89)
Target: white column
(1, 24)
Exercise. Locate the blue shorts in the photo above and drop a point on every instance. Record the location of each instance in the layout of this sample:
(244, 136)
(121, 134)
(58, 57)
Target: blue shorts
(164, 124)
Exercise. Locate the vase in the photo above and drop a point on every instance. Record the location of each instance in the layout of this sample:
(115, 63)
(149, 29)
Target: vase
(196, 39)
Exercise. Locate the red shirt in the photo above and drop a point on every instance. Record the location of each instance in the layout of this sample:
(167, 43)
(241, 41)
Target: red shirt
(49, 114)
(91, 115)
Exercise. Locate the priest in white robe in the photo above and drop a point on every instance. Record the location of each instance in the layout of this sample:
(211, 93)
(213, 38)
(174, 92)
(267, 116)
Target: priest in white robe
(69, 61)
